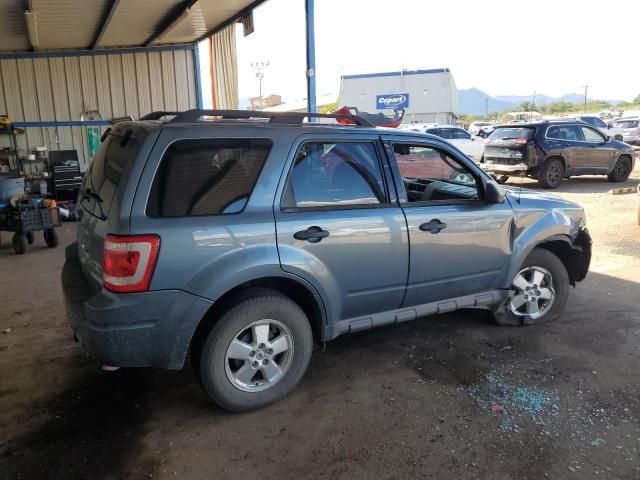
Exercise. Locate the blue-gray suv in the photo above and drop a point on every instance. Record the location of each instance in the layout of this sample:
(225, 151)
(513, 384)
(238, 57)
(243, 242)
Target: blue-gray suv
(238, 239)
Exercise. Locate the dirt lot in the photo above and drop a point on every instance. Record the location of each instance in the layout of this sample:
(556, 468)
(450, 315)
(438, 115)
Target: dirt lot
(451, 396)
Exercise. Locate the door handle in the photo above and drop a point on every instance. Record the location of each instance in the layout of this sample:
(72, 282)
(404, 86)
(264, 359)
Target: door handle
(434, 226)
(312, 234)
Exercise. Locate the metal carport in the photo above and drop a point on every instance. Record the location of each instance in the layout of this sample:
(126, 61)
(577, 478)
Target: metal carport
(62, 58)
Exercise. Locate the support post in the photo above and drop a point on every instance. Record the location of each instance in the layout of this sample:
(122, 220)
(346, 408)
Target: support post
(311, 56)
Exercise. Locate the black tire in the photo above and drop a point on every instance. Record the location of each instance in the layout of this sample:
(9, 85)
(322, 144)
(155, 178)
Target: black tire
(257, 305)
(551, 174)
(502, 179)
(51, 237)
(621, 170)
(20, 243)
(560, 285)
(30, 237)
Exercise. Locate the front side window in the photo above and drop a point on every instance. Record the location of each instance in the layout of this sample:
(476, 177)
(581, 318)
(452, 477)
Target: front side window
(458, 134)
(564, 132)
(433, 175)
(206, 177)
(590, 135)
(341, 174)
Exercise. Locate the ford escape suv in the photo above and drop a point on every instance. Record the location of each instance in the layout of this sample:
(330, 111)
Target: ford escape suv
(238, 239)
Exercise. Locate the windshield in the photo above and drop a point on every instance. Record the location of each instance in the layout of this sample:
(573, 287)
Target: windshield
(511, 133)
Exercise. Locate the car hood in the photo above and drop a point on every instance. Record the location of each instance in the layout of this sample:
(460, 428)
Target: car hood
(529, 205)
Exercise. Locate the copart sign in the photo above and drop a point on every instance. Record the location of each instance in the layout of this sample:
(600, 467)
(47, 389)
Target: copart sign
(392, 100)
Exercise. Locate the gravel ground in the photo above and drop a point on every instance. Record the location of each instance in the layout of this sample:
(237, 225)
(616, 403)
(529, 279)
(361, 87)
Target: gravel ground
(449, 396)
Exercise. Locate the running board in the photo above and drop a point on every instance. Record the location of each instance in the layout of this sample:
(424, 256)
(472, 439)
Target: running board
(479, 300)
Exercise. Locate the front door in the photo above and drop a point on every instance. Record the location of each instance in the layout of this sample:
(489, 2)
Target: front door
(595, 152)
(459, 244)
(339, 228)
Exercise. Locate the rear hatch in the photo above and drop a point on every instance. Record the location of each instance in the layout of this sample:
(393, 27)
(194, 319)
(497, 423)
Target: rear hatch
(100, 200)
(508, 145)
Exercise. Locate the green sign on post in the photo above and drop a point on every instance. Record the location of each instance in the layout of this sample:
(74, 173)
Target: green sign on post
(93, 141)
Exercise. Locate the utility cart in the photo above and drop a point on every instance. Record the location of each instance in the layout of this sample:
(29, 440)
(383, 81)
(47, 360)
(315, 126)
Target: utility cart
(28, 217)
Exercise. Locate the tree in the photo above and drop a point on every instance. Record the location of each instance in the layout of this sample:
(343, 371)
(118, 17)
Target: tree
(328, 108)
(637, 99)
(525, 106)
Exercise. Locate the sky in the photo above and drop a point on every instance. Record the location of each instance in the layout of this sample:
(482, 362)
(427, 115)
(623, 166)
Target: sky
(501, 47)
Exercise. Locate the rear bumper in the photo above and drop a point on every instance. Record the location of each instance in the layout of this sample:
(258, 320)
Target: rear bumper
(149, 329)
(505, 169)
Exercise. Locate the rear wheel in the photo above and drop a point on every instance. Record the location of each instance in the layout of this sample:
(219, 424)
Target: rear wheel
(621, 170)
(551, 174)
(256, 353)
(502, 179)
(51, 237)
(19, 242)
(541, 289)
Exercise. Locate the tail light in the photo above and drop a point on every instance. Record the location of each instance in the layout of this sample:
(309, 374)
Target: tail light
(520, 141)
(129, 262)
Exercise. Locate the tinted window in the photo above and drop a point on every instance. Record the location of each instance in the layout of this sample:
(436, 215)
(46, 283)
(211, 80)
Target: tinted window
(430, 174)
(334, 174)
(206, 177)
(590, 135)
(438, 132)
(117, 152)
(511, 133)
(458, 134)
(564, 132)
(594, 121)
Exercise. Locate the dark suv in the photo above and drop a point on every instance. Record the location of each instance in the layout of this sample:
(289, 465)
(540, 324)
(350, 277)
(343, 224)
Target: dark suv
(552, 150)
(239, 238)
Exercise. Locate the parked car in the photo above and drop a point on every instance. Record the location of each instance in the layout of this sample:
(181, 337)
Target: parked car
(240, 238)
(552, 150)
(476, 127)
(468, 144)
(606, 128)
(630, 129)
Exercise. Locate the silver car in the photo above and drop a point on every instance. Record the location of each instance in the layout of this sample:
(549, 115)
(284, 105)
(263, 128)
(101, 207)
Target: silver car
(630, 130)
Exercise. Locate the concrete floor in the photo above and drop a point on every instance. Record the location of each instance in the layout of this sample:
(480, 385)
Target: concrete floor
(450, 396)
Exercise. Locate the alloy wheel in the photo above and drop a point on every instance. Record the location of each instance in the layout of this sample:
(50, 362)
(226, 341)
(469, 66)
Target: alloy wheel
(259, 356)
(534, 293)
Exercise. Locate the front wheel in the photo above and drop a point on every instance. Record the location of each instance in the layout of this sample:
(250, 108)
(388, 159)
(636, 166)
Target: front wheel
(502, 179)
(621, 170)
(551, 174)
(257, 352)
(540, 291)
(20, 243)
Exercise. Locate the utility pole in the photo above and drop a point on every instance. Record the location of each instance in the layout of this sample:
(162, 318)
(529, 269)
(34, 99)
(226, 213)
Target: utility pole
(533, 105)
(586, 89)
(259, 67)
(486, 106)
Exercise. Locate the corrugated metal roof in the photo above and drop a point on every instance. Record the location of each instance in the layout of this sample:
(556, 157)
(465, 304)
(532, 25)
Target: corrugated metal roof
(86, 24)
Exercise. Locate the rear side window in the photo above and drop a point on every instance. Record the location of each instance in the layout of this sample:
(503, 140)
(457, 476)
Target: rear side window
(343, 174)
(564, 132)
(627, 124)
(206, 177)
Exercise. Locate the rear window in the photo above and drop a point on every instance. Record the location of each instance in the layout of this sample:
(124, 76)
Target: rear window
(627, 123)
(118, 151)
(511, 133)
(206, 177)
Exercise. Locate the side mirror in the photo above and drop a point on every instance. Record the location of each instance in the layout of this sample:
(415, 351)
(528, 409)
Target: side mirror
(493, 193)
(609, 138)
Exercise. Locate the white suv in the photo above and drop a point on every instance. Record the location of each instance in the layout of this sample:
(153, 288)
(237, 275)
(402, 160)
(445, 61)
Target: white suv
(471, 146)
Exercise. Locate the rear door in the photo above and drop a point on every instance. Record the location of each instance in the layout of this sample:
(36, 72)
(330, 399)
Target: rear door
(339, 225)
(104, 200)
(459, 244)
(567, 141)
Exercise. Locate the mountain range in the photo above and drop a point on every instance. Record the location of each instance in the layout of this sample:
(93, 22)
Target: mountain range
(473, 101)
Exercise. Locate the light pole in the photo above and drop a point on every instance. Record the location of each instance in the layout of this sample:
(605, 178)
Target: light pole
(259, 67)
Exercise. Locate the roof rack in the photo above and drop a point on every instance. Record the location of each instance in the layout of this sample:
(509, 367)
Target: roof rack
(286, 118)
